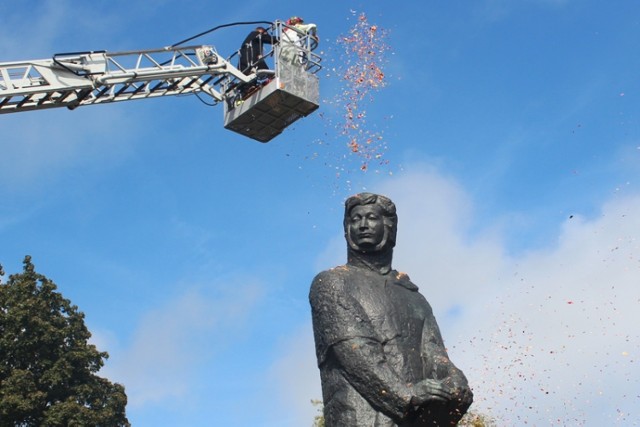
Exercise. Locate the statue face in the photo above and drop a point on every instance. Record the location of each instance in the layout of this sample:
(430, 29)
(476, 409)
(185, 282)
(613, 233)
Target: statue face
(366, 226)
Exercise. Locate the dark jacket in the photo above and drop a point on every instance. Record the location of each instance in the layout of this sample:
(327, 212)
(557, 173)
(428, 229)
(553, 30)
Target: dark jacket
(252, 51)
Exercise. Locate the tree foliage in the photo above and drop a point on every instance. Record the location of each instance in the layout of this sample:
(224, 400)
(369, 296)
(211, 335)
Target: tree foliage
(47, 367)
(318, 420)
(476, 419)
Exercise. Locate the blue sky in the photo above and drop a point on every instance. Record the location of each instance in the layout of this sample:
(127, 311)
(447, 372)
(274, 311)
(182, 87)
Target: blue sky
(513, 146)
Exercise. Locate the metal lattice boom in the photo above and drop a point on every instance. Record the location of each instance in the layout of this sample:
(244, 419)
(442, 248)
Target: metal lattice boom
(86, 78)
(259, 104)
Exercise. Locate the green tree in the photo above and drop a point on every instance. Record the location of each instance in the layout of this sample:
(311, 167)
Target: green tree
(318, 420)
(476, 419)
(47, 368)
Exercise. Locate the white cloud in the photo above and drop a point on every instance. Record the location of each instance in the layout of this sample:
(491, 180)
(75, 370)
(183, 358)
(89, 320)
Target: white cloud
(334, 254)
(549, 337)
(558, 342)
(297, 379)
(39, 147)
(172, 343)
(434, 243)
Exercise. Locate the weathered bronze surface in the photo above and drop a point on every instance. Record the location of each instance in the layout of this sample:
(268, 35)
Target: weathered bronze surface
(381, 356)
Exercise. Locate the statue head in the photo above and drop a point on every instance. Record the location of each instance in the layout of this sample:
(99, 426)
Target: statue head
(370, 223)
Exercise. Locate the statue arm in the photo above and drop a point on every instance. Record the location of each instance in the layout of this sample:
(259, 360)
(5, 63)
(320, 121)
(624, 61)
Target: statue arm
(439, 367)
(365, 367)
(345, 338)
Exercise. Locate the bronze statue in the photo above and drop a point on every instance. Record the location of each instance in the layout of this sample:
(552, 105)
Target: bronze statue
(381, 356)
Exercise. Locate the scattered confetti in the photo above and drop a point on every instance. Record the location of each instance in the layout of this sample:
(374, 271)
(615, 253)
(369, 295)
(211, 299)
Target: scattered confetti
(529, 372)
(364, 50)
(358, 61)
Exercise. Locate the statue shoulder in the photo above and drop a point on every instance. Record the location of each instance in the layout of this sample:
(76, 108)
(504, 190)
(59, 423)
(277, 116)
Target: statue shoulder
(330, 281)
(403, 280)
(332, 277)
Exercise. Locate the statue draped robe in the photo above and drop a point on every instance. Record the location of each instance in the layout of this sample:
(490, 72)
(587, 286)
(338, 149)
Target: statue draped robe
(376, 337)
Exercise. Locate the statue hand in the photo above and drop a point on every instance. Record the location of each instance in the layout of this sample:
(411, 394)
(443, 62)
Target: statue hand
(464, 395)
(431, 391)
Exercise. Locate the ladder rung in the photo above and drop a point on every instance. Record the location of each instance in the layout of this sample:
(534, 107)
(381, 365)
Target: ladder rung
(26, 99)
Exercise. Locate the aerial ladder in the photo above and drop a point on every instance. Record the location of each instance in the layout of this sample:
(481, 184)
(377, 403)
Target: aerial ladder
(259, 104)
